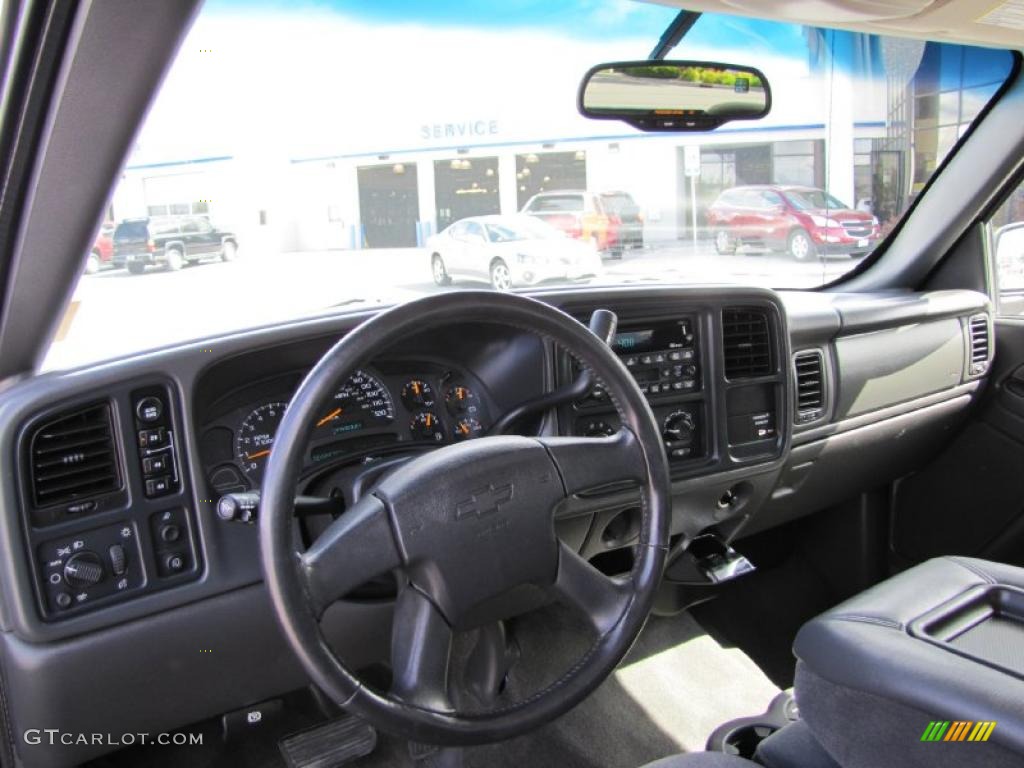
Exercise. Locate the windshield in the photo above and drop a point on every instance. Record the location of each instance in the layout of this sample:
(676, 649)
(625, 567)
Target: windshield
(327, 145)
(521, 228)
(814, 199)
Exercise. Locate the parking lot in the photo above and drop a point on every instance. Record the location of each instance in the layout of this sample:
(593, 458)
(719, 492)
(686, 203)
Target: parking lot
(114, 313)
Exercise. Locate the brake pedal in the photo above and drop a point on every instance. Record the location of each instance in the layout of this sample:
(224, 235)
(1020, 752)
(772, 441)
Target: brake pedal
(329, 745)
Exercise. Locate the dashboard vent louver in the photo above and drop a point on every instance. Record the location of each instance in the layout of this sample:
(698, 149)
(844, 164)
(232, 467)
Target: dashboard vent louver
(747, 343)
(73, 457)
(810, 385)
(980, 343)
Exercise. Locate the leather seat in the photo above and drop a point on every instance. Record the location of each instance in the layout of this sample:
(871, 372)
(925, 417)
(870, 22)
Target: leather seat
(943, 641)
(937, 642)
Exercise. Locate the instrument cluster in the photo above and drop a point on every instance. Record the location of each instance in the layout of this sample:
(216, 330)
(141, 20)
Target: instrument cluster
(376, 410)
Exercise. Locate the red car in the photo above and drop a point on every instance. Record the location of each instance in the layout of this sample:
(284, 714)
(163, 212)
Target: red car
(802, 221)
(102, 253)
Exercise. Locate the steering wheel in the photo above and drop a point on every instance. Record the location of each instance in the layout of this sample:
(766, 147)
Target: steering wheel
(465, 526)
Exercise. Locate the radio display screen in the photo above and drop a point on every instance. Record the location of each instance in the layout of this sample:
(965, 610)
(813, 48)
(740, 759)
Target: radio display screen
(674, 334)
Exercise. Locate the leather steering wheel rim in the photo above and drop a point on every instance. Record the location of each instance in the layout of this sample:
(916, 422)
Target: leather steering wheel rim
(294, 580)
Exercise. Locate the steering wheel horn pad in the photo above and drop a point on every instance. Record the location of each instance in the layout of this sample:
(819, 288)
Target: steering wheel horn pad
(464, 525)
(474, 520)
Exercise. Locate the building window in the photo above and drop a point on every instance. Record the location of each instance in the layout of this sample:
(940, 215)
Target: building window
(156, 210)
(945, 102)
(463, 187)
(544, 171)
(795, 162)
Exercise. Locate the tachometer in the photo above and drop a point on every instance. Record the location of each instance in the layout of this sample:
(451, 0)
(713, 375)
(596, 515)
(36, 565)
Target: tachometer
(362, 402)
(256, 437)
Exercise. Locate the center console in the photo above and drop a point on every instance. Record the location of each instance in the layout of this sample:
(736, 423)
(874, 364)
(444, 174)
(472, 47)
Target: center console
(665, 358)
(715, 376)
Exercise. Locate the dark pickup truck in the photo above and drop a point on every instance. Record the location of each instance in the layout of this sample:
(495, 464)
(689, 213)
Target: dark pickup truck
(170, 242)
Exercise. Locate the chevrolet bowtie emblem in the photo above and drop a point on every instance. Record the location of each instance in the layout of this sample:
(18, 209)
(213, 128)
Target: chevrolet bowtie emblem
(485, 501)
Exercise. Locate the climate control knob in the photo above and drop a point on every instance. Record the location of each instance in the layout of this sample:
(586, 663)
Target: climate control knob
(679, 427)
(83, 569)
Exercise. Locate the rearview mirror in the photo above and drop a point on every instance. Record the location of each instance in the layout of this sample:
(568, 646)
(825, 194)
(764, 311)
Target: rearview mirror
(674, 95)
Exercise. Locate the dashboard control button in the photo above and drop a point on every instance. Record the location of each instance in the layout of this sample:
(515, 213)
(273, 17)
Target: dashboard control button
(83, 570)
(152, 438)
(158, 486)
(598, 429)
(238, 506)
(118, 560)
(81, 507)
(679, 428)
(63, 600)
(149, 409)
(174, 562)
(155, 465)
(170, 533)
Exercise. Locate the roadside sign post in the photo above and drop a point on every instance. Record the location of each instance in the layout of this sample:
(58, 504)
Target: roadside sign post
(691, 168)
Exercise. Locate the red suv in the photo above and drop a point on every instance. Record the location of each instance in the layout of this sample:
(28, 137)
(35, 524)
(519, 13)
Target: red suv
(802, 221)
(102, 253)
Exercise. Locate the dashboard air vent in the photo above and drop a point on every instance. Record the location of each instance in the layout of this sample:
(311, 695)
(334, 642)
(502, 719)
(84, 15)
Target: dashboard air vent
(810, 385)
(980, 343)
(746, 343)
(73, 457)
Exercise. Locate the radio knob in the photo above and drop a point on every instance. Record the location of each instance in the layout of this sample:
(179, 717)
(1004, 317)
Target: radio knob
(679, 427)
(83, 569)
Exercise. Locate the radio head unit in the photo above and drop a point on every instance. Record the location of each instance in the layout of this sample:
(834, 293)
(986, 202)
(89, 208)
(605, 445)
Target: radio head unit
(663, 336)
(661, 355)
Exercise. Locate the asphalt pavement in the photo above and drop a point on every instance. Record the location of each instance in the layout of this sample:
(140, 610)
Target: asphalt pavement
(114, 313)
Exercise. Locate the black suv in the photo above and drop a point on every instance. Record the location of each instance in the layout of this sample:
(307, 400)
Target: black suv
(171, 241)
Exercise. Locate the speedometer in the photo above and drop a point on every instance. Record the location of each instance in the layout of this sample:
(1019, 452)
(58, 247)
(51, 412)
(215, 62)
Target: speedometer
(362, 402)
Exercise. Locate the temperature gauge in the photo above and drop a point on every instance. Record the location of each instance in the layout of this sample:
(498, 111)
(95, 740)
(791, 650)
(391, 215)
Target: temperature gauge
(418, 394)
(467, 428)
(426, 426)
(461, 399)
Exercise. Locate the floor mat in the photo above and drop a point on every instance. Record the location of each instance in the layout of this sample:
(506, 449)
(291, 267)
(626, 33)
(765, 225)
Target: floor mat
(675, 687)
(762, 613)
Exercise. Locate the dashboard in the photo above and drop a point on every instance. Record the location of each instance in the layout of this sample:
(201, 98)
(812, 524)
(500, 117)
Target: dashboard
(771, 406)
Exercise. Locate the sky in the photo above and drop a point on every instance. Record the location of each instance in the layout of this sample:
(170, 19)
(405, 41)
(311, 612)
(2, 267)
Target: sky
(281, 81)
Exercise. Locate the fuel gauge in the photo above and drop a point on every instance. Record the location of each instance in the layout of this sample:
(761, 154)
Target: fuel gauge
(426, 426)
(467, 428)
